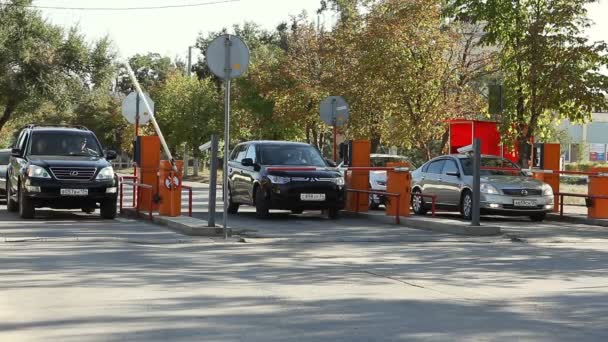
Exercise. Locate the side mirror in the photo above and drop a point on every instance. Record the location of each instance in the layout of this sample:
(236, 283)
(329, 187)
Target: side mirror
(15, 152)
(453, 173)
(330, 162)
(111, 155)
(247, 162)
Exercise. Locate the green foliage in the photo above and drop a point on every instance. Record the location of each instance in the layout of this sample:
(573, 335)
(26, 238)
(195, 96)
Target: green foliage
(583, 166)
(44, 69)
(550, 70)
(188, 110)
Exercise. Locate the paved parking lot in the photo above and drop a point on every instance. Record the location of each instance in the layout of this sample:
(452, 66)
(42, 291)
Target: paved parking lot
(69, 276)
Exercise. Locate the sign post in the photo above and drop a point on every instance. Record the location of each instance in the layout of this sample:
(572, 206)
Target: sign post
(334, 112)
(135, 114)
(227, 57)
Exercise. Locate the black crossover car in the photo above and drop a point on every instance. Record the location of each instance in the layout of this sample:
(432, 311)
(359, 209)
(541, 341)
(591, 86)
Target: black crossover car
(62, 168)
(283, 175)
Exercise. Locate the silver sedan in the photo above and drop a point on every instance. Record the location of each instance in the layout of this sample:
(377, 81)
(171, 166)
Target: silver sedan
(450, 179)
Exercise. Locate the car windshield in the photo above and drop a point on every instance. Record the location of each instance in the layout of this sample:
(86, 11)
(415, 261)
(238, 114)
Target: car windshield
(292, 155)
(467, 166)
(65, 144)
(382, 161)
(4, 156)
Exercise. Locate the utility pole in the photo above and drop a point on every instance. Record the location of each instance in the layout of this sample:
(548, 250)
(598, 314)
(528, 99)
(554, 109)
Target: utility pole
(189, 61)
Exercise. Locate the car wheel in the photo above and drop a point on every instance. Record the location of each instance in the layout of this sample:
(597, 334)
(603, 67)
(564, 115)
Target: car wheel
(538, 217)
(233, 208)
(418, 203)
(11, 205)
(107, 209)
(371, 204)
(261, 203)
(26, 207)
(297, 211)
(466, 205)
(333, 213)
(88, 210)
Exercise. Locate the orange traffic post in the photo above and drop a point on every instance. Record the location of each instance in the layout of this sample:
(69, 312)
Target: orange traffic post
(170, 188)
(358, 179)
(398, 182)
(149, 158)
(598, 185)
(551, 156)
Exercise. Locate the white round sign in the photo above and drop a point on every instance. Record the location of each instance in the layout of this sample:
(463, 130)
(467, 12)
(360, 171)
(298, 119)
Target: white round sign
(129, 108)
(223, 47)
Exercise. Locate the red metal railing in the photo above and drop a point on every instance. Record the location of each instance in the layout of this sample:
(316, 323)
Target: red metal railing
(433, 200)
(382, 193)
(189, 188)
(136, 204)
(567, 194)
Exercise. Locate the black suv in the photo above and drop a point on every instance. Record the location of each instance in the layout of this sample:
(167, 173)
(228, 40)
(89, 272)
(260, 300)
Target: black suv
(283, 175)
(60, 167)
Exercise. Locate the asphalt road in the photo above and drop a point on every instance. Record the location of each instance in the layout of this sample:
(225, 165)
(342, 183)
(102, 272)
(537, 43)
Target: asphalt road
(74, 277)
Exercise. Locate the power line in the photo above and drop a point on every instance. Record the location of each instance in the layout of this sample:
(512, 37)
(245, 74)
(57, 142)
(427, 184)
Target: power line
(123, 8)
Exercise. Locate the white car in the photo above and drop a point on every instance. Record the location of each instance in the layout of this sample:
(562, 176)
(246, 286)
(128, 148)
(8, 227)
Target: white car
(377, 179)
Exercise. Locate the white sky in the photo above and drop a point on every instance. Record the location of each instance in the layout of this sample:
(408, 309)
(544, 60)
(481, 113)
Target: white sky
(168, 31)
(171, 31)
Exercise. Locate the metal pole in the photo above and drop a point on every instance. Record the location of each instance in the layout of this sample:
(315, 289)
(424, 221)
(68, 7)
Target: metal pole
(189, 71)
(152, 117)
(335, 144)
(136, 128)
(476, 182)
(213, 180)
(333, 115)
(228, 70)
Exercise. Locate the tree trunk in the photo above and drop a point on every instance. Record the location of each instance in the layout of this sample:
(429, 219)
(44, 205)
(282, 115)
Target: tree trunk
(375, 142)
(444, 141)
(196, 164)
(8, 111)
(185, 160)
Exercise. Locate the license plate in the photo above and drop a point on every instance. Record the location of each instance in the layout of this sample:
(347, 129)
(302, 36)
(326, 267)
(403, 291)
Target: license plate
(74, 192)
(312, 197)
(524, 203)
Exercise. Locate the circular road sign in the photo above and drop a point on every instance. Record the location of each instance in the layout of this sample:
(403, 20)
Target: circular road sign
(231, 49)
(129, 108)
(334, 110)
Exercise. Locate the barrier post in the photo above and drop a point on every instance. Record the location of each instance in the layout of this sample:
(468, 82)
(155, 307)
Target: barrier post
(598, 186)
(550, 161)
(398, 182)
(170, 188)
(358, 179)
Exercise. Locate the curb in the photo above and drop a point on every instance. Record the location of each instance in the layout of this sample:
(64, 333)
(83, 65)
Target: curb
(181, 224)
(579, 220)
(440, 225)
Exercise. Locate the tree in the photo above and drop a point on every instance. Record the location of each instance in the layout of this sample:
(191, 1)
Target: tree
(189, 110)
(42, 65)
(550, 70)
(151, 71)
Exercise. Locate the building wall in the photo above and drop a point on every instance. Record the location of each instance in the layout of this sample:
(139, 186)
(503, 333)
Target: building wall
(591, 139)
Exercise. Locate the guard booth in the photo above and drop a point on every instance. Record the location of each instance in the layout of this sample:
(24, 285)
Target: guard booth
(463, 132)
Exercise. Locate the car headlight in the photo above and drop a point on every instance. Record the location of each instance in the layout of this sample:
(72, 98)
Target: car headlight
(339, 181)
(547, 190)
(488, 189)
(106, 173)
(279, 179)
(35, 171)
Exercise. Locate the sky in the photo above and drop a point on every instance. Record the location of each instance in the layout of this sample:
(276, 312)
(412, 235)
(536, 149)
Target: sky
(171, 31)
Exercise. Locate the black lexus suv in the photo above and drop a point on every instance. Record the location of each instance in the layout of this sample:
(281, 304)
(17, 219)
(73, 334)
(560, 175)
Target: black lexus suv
(60, 167)
(283, 175)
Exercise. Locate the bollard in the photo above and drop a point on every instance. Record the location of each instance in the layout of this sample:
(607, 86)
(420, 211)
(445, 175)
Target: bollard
(598, 186)
(170, 188)
(398, 182)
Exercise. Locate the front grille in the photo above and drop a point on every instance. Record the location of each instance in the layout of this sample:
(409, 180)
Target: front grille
(522, 192)
(73, 173)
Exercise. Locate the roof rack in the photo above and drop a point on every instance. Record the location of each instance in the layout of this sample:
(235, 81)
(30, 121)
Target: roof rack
(56, 125)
